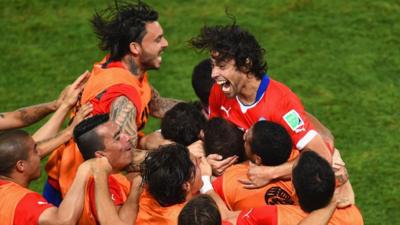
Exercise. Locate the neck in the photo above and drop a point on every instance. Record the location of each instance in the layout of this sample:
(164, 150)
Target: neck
(248, 91)
(17, 180)
(132, 64)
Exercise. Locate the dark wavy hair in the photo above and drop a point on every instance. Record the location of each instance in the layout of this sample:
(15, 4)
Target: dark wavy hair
(271, 142)
(200, 210)
(313, 180)
(164, 172)
(182, 123)
(116, 27)
(232, 42)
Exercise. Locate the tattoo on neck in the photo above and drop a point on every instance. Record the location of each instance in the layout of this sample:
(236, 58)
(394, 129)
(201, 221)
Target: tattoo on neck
(1, 115)
(133, 67)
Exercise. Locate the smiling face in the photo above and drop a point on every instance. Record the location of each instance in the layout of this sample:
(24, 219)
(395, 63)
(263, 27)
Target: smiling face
(152, 45)
(227, 76)
(117, 145)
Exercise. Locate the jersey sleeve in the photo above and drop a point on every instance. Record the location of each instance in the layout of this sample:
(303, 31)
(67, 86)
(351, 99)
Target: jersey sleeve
(217, 186)
(266, 215)
(214, 101)
(30, 208)
(103, 101)
(291, 115)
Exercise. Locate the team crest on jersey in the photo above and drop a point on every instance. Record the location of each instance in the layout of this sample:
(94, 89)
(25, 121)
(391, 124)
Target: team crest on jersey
(293, 119)
(277, 196)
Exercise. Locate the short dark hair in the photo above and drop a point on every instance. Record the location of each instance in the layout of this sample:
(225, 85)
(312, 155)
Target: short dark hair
(183, 123)
(224, 138)
(13, 148)
(313, 180)
(233, 42)
(86, 138)
(271, 142)
(200, 210)
(118, 26)
(202, 81)
(165, 170)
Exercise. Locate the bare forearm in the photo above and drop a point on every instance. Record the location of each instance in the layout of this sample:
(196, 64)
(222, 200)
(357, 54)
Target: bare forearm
(52, 126)
(106, 211)
(318, 145)
(319, 216)
(45, 147)
(129, 210)
(326, 134)
(284, 171)
(72, 205)
(26, 116)
(159, 106)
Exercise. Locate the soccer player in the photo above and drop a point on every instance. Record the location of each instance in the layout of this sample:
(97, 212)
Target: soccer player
(266, 143)
(171, 177)
(314, 183)
(244, 93)
(118, 85)
(19, 165)
(98, 137)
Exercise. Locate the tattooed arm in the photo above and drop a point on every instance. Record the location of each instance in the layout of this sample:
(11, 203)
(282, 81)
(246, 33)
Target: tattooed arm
(123, 113)
(26, 116)
(158, 105)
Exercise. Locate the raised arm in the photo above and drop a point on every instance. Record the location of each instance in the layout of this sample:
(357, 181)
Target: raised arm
(45, 147)
(68, 98)
(158, 105)
(107, 212)
(72, 205)
(26, 116)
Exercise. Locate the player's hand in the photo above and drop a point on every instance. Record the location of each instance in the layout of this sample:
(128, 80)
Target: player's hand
(339, 168)
(204, 167)
(82, 114)
(101, 166)
(342, 197)
(197, 148)
(218, 164)
(258, 176)
(70, 95)
(139, 156)
(86, 167)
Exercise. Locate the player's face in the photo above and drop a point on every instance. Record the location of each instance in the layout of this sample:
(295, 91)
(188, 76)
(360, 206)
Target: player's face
(118, 148)
(227, 76)
(33, 162)
(153, 44)
(197, 182)
(248, 135)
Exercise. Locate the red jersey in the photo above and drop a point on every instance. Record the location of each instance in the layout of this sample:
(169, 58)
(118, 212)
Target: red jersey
(19, 205)
(277, 103)
(291, 215)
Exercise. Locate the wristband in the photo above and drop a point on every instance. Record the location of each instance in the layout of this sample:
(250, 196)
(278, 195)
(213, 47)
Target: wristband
(206, 184)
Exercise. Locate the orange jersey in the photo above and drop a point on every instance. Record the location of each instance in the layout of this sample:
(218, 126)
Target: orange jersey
(237, 197)
(19, 205)
(292, 215)
(119, 189)
(103, 86)
(151, 212)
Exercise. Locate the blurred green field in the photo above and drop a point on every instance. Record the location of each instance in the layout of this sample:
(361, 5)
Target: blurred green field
(341, 57)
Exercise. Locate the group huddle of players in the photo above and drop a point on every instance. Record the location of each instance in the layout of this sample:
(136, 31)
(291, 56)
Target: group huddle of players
(246, 152)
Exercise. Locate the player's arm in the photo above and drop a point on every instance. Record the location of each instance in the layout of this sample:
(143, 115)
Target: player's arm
(326, 134)
(45, 147)
(106, 211)
(26, 116)
(72, 205)
(68, 98)
(158, 105)
(123, 113)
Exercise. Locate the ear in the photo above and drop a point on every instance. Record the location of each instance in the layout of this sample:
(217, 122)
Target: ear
(135, 48)
(257, 160)
(20, 166)
(99, 154)
(186, 186)
(201, 135)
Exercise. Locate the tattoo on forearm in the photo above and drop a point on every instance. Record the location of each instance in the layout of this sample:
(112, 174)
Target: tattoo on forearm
(123, 113)
(32, 114)
(159, 106)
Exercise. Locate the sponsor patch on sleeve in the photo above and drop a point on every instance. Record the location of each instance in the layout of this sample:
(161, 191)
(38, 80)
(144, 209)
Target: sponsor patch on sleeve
(293, 119)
